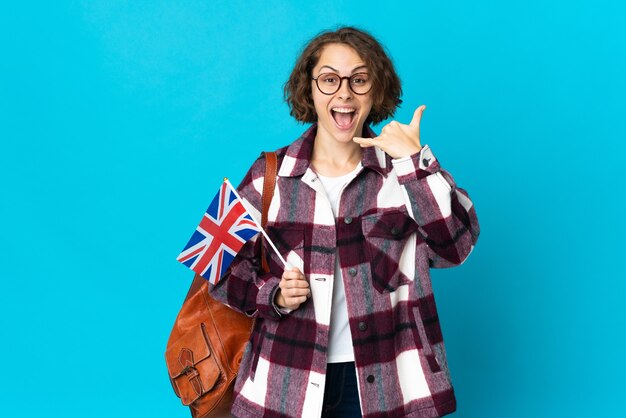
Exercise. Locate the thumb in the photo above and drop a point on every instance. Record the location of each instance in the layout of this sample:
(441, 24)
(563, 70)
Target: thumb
(417, 117)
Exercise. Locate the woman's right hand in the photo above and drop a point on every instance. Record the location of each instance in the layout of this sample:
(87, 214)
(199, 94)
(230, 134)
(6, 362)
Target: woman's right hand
(293, 289)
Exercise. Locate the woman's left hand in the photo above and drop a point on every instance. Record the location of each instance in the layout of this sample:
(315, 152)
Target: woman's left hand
(397, 139)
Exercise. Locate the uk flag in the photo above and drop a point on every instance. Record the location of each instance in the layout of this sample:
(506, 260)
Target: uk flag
(224, 229)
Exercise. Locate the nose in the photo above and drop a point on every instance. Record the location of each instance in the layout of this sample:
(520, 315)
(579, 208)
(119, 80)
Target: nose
(344, 88)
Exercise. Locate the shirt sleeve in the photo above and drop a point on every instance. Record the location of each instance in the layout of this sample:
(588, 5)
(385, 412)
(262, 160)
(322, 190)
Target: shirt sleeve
(444, 212)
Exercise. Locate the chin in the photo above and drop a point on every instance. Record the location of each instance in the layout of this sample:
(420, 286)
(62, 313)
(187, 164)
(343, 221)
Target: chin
(345, 136)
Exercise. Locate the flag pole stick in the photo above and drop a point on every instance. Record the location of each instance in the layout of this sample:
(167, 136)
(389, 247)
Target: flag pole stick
(269, 241)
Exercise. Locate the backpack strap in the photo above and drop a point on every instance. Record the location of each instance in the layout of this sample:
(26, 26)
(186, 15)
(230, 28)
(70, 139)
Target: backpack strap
(269, 183)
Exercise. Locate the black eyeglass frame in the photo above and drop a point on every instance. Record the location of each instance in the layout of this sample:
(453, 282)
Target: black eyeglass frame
(341, 82)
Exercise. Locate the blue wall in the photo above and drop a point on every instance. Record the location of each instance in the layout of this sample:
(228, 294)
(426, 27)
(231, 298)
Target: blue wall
(119, 119)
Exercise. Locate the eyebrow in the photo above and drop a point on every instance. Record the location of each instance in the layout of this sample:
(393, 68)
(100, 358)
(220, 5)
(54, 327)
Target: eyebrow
(337, 71)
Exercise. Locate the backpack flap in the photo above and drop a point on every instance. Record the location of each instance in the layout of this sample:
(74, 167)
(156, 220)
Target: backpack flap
(192, 366)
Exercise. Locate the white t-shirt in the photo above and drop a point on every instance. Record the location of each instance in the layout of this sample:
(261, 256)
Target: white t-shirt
(340, 340)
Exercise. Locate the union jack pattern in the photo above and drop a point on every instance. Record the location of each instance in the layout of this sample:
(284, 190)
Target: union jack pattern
(224, 229)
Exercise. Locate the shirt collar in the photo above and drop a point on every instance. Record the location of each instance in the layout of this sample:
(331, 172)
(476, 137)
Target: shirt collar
(298, 155)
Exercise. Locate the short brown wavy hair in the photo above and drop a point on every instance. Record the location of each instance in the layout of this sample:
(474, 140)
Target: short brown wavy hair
(386, 88)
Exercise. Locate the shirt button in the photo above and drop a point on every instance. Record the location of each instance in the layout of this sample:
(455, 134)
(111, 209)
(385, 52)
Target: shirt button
(348, 220)
(395, 231)
(352, 271)
(370, 379)
(362, 326)
(426, 162)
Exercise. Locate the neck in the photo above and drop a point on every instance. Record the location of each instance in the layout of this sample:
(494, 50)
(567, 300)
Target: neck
(334, 158)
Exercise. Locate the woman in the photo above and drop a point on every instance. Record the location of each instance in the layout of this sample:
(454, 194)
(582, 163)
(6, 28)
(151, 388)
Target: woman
(351, 328)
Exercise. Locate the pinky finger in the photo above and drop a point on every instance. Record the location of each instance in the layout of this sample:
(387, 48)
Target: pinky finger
(364, 142)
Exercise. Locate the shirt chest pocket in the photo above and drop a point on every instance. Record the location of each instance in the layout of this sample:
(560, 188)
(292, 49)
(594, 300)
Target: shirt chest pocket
(386, 237)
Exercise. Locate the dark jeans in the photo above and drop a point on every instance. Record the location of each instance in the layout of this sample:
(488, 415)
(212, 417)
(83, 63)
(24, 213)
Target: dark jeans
(341, 396)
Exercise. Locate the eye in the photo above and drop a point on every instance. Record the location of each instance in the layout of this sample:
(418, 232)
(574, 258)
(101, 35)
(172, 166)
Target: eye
(359, 79)
(329, 78)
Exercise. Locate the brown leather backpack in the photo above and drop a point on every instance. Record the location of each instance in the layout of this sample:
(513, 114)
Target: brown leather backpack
(208, 338)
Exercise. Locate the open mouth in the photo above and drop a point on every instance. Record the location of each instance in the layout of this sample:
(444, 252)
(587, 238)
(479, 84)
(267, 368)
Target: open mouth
(343, 116)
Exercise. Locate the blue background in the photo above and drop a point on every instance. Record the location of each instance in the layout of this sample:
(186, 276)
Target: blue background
(119, 119)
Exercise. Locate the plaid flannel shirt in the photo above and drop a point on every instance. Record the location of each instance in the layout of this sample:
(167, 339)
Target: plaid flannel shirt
(396, 220)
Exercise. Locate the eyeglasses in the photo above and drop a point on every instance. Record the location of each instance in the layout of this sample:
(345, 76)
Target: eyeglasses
(330, 83)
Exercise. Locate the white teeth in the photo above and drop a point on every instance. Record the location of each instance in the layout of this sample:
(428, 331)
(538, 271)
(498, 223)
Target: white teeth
(343, 109)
